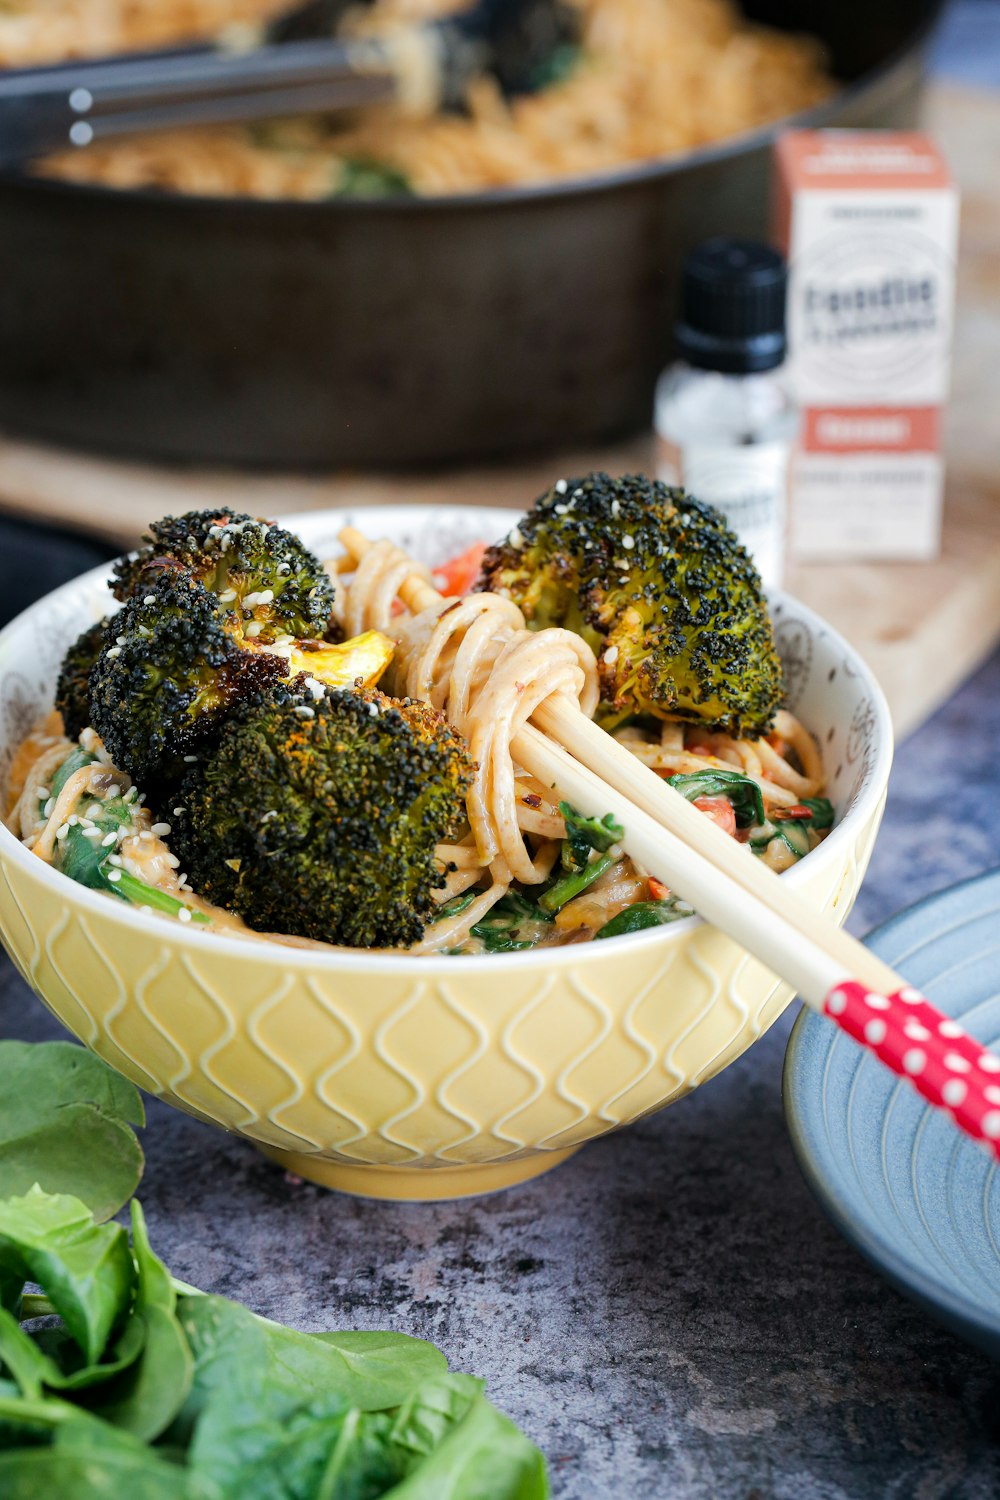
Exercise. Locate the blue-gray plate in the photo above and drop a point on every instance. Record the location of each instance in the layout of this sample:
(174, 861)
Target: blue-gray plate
(917, 1198)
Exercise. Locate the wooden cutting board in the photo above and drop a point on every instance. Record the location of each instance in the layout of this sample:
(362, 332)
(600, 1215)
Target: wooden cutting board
(923, 627)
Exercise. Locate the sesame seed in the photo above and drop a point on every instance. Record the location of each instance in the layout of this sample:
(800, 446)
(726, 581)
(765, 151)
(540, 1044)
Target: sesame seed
(114, 876)
(628, 542)
(48, 808)
(114, 859)
(254, 628)
(304, 711)
(122, 640)
(93, 811)
(560, 486)
(184, 915)
(149, 599)
(108, 840)
(114, 651)
(611, 655)
(113, 791)
(72, 820)
(62, 831)
(160, 829)
(562, 510)
(131, 794)
(189, 760)
(515, 538)
(227, 596)
(172, 861)
(42, 792)
(146, 836)
(91, 832)
(615, 508)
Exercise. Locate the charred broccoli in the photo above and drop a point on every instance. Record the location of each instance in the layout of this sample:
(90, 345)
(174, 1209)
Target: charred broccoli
(73, 687)
(168, 672)
(319, 817)
(264, 579)
(659, 587)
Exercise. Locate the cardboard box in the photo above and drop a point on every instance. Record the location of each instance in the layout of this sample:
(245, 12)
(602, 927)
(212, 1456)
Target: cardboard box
(869, 223)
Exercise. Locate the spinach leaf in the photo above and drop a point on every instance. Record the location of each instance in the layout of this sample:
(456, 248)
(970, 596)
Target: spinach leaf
(572, 885)
(378, 1370)
(584, 834)
(70, 1370)
(85, 1268)
(238, 1408)
(822, 812)
(88, 862)
(50, 1359)
(744, 793)
(81, 1465)
(482, 1457)
(147, 1396)
(75, 761)
(455, 905)
(363, 177)
(518, 908)
(641, 915)
(65, 1121)
(370, 1371)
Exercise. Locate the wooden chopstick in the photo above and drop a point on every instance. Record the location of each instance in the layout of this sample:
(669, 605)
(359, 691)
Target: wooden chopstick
(830, 970)
(617, 767)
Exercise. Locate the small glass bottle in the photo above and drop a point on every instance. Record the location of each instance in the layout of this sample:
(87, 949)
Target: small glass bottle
(725, 421)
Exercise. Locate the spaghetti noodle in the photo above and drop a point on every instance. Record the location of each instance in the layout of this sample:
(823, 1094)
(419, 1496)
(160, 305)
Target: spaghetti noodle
(476, 662)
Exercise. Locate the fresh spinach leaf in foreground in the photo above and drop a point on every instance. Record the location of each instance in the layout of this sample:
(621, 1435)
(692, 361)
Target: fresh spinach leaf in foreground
(65, 1123)
(150, 1390)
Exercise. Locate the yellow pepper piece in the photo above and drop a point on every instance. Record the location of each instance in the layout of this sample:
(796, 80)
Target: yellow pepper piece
(365, 657)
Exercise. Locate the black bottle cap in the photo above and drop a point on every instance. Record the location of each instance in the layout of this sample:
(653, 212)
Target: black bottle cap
(733, 317)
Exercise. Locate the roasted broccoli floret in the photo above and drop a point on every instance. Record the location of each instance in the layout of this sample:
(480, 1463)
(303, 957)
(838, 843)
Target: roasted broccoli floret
(264, 579)
(73, 687)
(660, 588)
(167, 674)
(319, 817)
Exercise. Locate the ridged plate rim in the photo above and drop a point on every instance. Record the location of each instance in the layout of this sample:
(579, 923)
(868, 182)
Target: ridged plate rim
(813, 1034)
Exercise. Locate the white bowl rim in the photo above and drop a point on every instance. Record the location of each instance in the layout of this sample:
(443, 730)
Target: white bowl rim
(567, 955)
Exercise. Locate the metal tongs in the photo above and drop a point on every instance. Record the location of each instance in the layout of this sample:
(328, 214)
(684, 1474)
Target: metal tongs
(299, 67)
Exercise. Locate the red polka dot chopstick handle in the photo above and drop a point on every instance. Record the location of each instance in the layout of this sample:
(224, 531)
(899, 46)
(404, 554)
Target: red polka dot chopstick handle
(909, 1035)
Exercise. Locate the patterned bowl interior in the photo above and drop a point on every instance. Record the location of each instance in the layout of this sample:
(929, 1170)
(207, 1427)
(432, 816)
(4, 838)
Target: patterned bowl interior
(827, 684)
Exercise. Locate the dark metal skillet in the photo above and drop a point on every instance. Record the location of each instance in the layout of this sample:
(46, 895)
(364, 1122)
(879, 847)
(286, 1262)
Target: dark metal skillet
(390, 333)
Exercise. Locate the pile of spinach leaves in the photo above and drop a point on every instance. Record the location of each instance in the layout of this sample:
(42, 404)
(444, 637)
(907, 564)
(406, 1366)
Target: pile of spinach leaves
(129, 1385)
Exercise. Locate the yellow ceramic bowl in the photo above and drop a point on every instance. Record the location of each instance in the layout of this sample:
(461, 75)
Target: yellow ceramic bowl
(406, 1077)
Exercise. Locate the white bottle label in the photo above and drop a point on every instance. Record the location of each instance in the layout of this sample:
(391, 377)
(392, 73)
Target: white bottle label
(748, 484)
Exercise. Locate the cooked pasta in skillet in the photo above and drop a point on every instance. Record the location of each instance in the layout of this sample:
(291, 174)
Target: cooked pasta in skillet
(650, 78)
